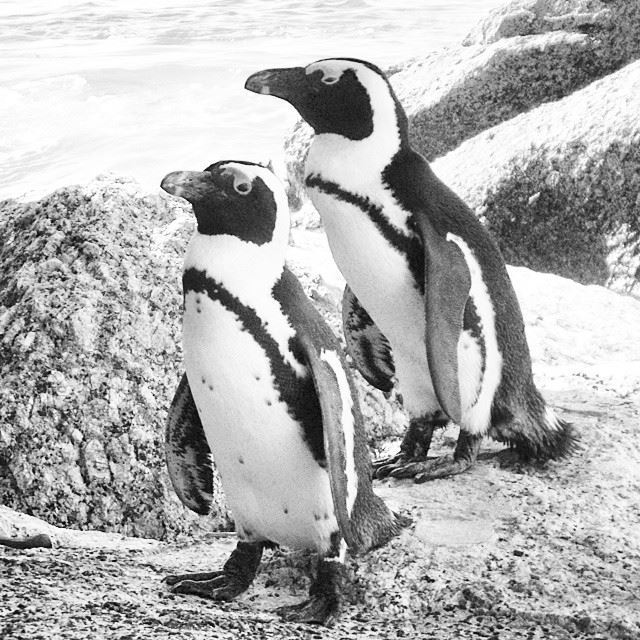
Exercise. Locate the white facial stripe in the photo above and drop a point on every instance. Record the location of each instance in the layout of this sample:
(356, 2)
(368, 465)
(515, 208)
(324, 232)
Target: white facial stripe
(239, 178)
(245, 172)
(249, 172)
(357, 165)
(348, 426)
(332, 70)
(477, 418)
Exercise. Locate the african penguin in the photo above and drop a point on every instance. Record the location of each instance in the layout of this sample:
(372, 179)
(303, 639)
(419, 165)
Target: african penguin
(267, 394)
(428, 298)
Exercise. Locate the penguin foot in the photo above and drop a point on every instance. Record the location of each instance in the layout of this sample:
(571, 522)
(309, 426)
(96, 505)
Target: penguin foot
(463, 458)
(235, 577)
(422, 470)
(435, 468)
(325, 597)
(196, 577)
(414, 448)
(218, 588)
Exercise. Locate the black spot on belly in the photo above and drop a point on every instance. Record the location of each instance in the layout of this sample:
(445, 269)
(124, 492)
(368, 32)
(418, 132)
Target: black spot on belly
(316, 516)
(286, 510)
(241, 460)
(298, 394)
(269, 403)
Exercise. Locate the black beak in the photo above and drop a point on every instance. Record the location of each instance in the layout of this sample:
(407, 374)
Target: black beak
(187, 184)
(288, 84)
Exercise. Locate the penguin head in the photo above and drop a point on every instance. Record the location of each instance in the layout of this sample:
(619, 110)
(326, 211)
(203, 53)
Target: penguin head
(343, 96)
(233, 198)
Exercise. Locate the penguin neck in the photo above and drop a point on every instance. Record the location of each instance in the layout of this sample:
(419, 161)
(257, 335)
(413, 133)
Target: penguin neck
(357, 165)
(246, 269)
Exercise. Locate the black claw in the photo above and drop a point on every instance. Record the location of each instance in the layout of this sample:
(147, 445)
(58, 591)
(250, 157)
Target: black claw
(325, 597)
(441, 468)
(195, 577)
(312, 611)
(235, 577)
(384, 462)
(403, 471)
(383, 472)
(220, 588)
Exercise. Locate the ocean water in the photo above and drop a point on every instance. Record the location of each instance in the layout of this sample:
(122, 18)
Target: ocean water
(144, 87)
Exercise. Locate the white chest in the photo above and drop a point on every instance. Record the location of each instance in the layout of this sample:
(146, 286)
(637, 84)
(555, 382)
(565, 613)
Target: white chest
(377, 273)
(275, 488)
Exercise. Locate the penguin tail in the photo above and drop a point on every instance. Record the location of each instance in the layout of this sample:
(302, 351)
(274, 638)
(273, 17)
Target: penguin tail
(375, 523)
(538, 433)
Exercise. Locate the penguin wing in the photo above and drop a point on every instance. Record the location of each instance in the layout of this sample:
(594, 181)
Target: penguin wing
(342, 421)
(187, 452)
(366, 344)
(447, 285)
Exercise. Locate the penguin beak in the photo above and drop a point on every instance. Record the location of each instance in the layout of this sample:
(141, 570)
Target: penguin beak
(190, 185)
(288, 83)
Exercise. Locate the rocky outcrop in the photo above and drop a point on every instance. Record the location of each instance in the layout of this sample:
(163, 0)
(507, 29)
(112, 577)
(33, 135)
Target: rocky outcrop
(90, 356)
(611, 21)
(454, 94)
(90, 305)
(526, 54)
(506, 552)
(559, 186)
(511, 65)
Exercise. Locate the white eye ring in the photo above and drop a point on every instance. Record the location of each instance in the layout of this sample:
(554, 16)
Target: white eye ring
(243, 188)
(330, 79)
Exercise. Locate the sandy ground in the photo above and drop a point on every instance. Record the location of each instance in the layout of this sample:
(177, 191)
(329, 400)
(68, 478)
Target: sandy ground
(504, 552)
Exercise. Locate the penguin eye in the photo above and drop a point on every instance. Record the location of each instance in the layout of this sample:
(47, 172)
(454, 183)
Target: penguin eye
(330, 79)
(242, 188)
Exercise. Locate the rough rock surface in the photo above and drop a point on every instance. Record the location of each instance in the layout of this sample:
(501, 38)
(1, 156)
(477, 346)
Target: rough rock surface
(90, 306)
(90, 316)
(506, 552)
(513, 66)
(610, 21)
(559, 186)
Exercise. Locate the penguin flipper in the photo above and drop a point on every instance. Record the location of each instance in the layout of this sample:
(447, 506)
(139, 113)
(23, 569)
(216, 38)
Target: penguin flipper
(341, 418)
(366, 344)
(187, 452)
(447, 285)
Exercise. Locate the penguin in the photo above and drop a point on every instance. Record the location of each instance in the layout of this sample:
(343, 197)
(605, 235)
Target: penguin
(267, 395)
(429, 305)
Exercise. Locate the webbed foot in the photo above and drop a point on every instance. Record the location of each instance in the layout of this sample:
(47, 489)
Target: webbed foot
(235, 577)
(414, 448)
(325, 597)
(462, 459)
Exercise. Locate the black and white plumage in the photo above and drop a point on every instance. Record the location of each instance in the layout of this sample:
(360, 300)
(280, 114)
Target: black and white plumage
(439, 301)
(267, 394)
